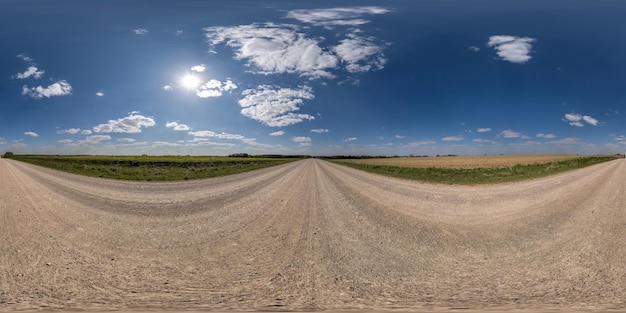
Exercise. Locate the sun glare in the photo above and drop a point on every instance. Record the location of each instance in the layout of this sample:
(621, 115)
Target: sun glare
(190, 81)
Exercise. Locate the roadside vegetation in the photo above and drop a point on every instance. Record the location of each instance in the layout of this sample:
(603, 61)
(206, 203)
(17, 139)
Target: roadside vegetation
(478, 175)
(156, 168)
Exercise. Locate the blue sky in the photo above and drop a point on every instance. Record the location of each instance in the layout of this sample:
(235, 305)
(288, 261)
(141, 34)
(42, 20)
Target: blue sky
(323, 77)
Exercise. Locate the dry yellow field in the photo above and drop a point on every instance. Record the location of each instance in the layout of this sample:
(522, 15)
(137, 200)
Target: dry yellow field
(465, 161)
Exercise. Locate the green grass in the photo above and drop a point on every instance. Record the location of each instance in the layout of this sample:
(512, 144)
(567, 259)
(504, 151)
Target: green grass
(152, 168)
(480, 175)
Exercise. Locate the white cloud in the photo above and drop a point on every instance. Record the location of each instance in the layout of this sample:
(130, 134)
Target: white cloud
(483, 130)
(95, 139)
(32, 134)
(275, 106)
(473, 48)
(140, 31)
(336, 16)
(65, 141)
(167, 87)
(25, 58)
(510, 134)
(31, 71)
(577, 119)
(419, 143)
(547, 136)
(71, 131)
(176, 126)
(130, 124)
(319, 130)
(399, 136)
(214, 88)
(278, 133)
(620, 138)
(478, 140)
(60, 88)
(223, 135)
(566, 141)
(301, 139)
(511, 48)
(453, 138)
(99, 93)
(350, 139)
(360, 54)
(275, 49)
(179, 33)
(86, 132)
(590, 120)
(126, 140)
(198, 68)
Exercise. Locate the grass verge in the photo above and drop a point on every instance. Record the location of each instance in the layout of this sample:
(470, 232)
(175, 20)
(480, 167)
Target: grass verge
(152, 168)
(474, 176)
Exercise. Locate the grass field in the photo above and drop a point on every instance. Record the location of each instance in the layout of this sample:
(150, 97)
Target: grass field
(475, 169)
(153, 168)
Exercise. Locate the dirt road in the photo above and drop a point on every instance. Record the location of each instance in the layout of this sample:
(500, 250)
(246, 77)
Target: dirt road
(311, 235)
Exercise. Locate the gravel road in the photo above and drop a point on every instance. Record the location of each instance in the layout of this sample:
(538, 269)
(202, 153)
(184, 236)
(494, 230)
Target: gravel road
(311, 235)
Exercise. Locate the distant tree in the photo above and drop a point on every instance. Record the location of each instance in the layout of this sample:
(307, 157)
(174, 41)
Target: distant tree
(8, 155)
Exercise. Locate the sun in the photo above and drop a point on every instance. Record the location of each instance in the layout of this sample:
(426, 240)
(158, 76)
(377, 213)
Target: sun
(190, 81)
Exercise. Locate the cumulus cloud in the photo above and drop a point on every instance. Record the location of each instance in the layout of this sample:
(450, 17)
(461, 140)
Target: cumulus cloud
(126, 140)
(473, 48)
(547, 136)
(278, 133)
(32, 71)
(130, 124)
(352, 16)
(100, 94)
(167, 87)
(319, 130)
(360, 54)
(479, 140)
(86, 132)
(350, 139)
(31, 134)
(270, 48)
(214, 88)
(95, 139)
(578, 119)
(140, 31)
(510, 134)
(275, 49)
(198, 68)
(25, 58)
(566, 141)
(419, 143)
(590, 120)
(275, 106)
(511, 48)
(620, 138)
(208, 134)
(71, 131)
(60, 88)
(301, 139)
(453, 138)
(483, 130)
(176, 126)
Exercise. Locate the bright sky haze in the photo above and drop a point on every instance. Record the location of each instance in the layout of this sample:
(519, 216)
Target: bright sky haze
(323, 77)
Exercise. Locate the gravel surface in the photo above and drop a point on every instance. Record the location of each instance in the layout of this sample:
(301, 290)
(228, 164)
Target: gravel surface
(312, 235)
